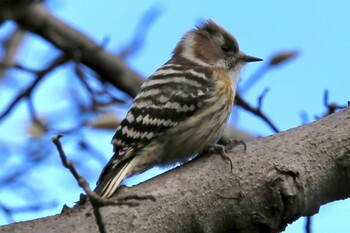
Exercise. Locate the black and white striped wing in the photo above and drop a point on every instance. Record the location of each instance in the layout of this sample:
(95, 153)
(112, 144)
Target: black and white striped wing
(172, 94)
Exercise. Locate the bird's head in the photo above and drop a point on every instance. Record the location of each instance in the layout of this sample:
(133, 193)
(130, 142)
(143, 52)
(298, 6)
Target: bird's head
(212, 46)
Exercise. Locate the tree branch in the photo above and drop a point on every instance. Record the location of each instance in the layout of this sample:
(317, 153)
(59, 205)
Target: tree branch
(277, 180)
(256, 111)
(35, 18)
(39, 76)
(11, 46)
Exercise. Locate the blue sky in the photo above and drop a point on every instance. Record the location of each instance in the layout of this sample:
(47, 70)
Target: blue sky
(318, 30)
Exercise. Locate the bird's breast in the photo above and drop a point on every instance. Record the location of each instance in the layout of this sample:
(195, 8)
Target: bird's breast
(225, 86)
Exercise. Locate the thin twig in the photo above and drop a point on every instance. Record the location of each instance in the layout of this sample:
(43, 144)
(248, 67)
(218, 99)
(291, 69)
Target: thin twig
(95, 200)
(11, 47)
(9, 211)
(256, 111)
(261, 98)
(95, 94)
(81, 181)
(143, 27)
(308, 224)
(276, 60)
(39, 76)
(39, 20)
(331, 107)
(34, 116)
(4, 65)
(247, 85)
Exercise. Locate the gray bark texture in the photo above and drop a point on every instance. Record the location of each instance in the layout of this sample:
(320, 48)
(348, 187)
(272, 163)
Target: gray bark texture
(277, 180)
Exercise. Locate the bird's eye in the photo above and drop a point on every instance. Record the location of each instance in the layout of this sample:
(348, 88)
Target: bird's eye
(224, 48)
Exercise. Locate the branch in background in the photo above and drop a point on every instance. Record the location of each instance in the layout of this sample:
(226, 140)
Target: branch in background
(95, 94)
(141, 31)
(331, 107)
(11, 46)
(14, 180)
(16, 66)
(39, 76)
(9, 211)
(37, 19)
(308, 224)
(256, 111)
(276, 60)
(35, 153)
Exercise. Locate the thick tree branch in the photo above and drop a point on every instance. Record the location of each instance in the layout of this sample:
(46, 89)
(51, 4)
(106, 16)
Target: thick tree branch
(277, 180)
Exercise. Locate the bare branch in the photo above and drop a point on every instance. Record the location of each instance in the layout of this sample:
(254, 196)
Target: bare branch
(276, 60)
(261, 98)
(308, 224)
(9, 211)
(112, 69)
(256, 111)
(141, 31)
(27, 92)
(16, 66)
(331, 107)
(11, 46)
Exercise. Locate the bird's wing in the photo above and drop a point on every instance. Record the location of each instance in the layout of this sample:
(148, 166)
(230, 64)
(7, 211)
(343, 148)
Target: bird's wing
(172, 94)
(169, 96)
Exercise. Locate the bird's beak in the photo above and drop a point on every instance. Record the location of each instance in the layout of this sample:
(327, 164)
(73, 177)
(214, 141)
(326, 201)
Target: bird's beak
(247, 58)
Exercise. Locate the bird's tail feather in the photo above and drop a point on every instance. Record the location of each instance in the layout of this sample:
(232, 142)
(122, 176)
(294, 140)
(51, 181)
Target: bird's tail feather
(112, 181)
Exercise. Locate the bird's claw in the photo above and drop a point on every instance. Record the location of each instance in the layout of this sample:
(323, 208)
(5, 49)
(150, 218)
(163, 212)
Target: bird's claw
(223, 149)
(232, 143)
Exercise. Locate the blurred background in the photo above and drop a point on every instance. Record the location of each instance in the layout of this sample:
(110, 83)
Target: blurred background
(310, 39)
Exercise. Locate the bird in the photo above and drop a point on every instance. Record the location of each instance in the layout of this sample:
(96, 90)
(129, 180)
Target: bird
(181, 109)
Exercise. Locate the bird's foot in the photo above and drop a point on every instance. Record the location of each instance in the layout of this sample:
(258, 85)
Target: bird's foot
(223, 149)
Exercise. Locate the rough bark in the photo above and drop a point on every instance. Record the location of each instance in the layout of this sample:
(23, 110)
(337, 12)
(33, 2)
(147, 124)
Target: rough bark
(277, 180)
